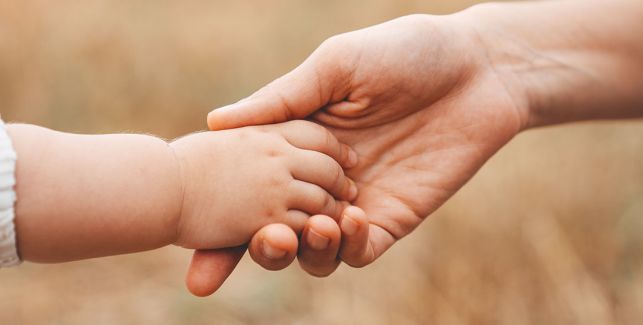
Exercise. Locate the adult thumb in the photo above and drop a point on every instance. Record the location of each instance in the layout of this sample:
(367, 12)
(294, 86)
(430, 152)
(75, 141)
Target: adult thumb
(318, 81)
(210, 268)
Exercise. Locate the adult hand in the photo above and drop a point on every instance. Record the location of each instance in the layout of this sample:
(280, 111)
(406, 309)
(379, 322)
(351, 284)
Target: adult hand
(426, 100)
(420, 102)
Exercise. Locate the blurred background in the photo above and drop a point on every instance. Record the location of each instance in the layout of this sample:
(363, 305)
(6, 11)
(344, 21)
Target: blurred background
(549, 232)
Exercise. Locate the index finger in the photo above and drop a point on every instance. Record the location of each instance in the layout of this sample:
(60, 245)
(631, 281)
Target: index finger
(319, 80)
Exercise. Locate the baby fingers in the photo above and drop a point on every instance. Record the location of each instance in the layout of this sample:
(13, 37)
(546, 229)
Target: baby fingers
(320, 169)
(312, 199)
(310, 136)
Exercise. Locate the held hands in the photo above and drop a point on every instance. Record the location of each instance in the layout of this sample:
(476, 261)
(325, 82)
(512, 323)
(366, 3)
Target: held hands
(237, 181)
(422, 104)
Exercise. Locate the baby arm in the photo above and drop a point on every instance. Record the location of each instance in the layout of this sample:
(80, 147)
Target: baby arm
(83, 196)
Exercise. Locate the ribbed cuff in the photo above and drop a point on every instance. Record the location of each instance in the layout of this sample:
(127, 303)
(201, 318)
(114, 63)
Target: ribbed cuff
(8, 250)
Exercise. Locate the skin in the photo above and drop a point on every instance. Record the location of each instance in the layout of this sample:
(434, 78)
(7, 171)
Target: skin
(237, 181)
(84, 196)
(426, 101)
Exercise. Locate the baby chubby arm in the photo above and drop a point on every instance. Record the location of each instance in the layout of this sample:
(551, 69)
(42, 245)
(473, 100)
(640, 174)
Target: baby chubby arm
(83, 196)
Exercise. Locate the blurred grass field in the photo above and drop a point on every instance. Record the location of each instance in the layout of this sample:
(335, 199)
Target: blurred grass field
(549, 232)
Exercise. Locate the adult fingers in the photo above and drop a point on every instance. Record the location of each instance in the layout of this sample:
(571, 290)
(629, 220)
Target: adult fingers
(321, 79)
(356, 250)
(319, 246)
(210, 268)
(274, 247)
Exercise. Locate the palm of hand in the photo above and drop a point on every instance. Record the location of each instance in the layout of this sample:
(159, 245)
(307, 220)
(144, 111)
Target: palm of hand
(409, 167)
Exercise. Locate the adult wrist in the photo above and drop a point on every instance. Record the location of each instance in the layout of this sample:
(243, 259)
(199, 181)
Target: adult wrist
(501, 55)
(568, 60)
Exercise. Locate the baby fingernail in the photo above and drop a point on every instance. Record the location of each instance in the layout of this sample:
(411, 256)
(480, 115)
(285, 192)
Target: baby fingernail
(317, 241)
(271, 252)
(349, 226)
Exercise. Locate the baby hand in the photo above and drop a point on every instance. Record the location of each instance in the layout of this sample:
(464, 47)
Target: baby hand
(237, 181)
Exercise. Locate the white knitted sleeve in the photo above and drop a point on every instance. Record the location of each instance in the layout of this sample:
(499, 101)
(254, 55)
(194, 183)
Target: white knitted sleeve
(8, 252)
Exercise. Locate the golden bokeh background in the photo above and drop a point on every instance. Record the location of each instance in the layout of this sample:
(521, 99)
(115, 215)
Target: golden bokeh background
(549, 232)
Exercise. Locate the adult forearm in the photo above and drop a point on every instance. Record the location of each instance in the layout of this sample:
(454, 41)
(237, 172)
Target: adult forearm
(572, 60)
(83, 196)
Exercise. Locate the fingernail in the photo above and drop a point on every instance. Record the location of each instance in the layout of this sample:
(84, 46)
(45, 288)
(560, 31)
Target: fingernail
(317, 241)
(349, 226)
(352, 157)
(271, 252)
